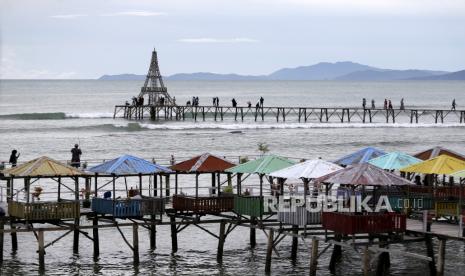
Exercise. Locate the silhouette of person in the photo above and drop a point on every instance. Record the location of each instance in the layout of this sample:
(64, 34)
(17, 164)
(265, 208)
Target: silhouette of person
(402, 107)
(234, 103)
(76, 156)
(14, 157)
(364, 103)
(373, 104)
(390, 104)
(261, 101)
(385, 104)
(453, 104)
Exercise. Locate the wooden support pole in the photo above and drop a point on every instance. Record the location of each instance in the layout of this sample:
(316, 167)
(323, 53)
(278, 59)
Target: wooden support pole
(383, 259)
(214, 183)
(430, 253)
(135, 242)
(155, 185)
(314, 257)
(366, 261)
(269, 251)
(253, 241)
(153, 233)
(336, 255)
(295, 240)
(174, 235)
(14, 236)
(441, 257)
(221, 238)
(167, 185)
(176, 183)
(40, 239)
(76, 220)
(2, 226)
(95, 237)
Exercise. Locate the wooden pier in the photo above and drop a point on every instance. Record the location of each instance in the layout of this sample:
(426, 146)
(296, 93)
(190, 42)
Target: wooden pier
(287, 114)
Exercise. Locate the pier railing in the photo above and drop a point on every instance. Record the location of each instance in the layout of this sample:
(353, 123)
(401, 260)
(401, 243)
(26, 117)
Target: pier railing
(204, 204)
(122, 208)
(41, 211)
(249, 205)
(301, 216)
(350, 224)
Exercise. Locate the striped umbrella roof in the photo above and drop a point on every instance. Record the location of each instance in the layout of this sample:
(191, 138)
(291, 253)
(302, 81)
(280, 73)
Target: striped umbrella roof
(204, 163)
(394, 161)
(309, 169)
(364, 174)
(263, 165)
(127, 165)
(43, 167)
(443, 164)
(360, 156)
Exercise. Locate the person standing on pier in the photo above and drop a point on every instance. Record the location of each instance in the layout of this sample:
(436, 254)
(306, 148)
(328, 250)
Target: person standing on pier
(373, 104)
(234, 103)
(453, 104)
(14, 157)
(385, 104)
(172, 160)
(214, 101)
(390, 104)
(364, 103)
(402, 107)
(261, 101)
(217, 101)
(76, 156)
(249, 104)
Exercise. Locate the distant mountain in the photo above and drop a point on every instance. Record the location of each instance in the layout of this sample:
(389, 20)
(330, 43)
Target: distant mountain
(212, 76)
(348, 71)
(459, 75)
(320, 71)
(122, 77)
(387, 75)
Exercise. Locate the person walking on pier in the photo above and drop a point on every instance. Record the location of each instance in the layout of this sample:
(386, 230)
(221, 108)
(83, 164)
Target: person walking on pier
(402, 107)
(364, 103)
(390, 105)
(453, 104)
(14, 157)
(373, 104)
(385, 104)
(76, 156)
(261, 101)
(234, 103)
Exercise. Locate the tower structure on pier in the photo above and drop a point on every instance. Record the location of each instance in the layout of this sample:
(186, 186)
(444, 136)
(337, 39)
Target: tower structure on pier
(154, 87)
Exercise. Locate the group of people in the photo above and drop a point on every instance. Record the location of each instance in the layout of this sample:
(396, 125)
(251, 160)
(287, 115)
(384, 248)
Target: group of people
(75, 157)
(195, 101)
(388, 104)
(137, 101)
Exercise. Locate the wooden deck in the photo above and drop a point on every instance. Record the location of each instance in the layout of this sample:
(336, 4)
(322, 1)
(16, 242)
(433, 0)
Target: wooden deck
(291, 114)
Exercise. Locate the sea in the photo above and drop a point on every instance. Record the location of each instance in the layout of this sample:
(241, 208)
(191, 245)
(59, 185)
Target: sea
(47, 117)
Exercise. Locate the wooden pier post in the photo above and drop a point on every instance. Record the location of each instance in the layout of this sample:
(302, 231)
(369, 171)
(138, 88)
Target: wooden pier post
(167, 185)
(314, 257)
(269, 251)
(40, 238)
(95, 237)
(383, 258)
(174, 235)
(2, 226)
(441, 257)
(253, 223)
(430, 253)
(366, 261)
(76, 220)
(14, 236)
(295, 240)
(221, 237)
(336, 255)
(135, 242)
(153, 233)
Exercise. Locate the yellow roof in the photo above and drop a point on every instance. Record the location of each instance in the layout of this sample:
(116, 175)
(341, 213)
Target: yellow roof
(460, 174)
(443, 164)
(42, 166)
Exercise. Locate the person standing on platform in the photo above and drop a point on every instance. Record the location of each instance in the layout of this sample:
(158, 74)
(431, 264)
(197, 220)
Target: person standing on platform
(234, 103)
(373, 104)
(402, 107)
(390, 104)
(453, 104)
(261, 101)
(217, 101)
(214, 101)
(385, 104)
(14, 157)
(364, 103)
(76, 156)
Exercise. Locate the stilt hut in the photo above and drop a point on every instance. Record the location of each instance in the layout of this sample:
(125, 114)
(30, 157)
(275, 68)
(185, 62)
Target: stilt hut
(246, 202)
(214, 203)
(132, 202)
(446, 195)
(437, 151)
(306, 172)
(32, 208)
(360, 156)
(364, 179)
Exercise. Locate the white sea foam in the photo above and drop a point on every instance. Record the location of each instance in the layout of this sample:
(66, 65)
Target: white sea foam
(90, 115)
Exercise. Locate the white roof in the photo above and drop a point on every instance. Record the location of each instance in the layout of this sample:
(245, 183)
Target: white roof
(309, 169)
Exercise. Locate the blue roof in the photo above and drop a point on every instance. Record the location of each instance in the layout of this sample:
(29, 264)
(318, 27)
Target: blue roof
(359, 157)
(394, 161)
(128, 164)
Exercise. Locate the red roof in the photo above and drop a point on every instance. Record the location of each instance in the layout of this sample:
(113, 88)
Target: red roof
(364, 174)
(204, 163)
(436, 151)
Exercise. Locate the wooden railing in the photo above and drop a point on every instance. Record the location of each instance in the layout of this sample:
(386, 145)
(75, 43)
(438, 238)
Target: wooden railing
(350, 224)
(44, 210)
(301, 216)
(122, 208)
(249, 205)
(203, 205)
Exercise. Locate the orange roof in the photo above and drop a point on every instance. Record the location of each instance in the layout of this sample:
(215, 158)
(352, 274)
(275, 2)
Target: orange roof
(204, 163)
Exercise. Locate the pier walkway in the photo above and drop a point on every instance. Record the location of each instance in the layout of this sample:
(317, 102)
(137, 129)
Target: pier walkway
(288, 114)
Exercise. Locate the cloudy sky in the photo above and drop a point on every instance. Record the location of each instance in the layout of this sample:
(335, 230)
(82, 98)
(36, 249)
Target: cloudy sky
(88, 38)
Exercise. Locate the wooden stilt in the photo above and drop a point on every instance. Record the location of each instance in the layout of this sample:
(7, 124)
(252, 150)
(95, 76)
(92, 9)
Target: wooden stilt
(95, 237)
(383, 260)
(174, 235)
(14, 236)
(76, 220)
(221, 237)
(366, 261)
(40, 238)
(135, 242)
(441, 257)
(2, 226)
(167, 185)
(153, 233)
(430, 253)
(336, 255)
(253, 241)
(314, 257)
(295, 240)
(269, 251)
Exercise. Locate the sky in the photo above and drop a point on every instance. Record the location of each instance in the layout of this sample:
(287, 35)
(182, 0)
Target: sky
(55, 39)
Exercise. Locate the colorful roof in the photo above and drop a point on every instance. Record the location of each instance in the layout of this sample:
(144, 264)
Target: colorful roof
(364, 174)
(43, 167)
(394, 161)
(127, 165)
(204, 163)
(360, 156)
(263, 165)
(309, 169)
(436, 151)
(443, 164)
(460, 174)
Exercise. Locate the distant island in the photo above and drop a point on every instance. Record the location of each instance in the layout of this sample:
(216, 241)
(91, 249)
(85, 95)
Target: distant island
(343, 71)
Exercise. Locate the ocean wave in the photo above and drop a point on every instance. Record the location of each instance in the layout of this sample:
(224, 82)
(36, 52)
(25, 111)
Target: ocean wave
(55, 116)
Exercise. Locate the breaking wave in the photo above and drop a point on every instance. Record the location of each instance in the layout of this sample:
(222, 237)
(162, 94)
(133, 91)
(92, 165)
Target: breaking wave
(54, 116)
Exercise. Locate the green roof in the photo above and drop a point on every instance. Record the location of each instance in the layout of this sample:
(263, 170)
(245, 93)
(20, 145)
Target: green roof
(394, 161)
(263, 165)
